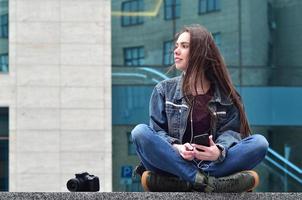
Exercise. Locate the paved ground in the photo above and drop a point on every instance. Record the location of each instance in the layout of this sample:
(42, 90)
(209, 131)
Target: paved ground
(145, 195)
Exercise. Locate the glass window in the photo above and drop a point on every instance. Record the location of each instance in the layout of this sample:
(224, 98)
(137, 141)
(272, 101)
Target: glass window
(4, 149)
(134, 56)
(206, 6)
(4, 32)
(132, 6)
(168, 53)
(202, 6)
(172, 9)
(264, 64)
(217, 38)
(131, 146)
(4, 62)
(4, 26)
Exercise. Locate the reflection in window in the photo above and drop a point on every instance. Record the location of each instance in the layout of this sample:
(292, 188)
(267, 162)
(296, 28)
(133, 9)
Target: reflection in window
(172, 9)
(134, 56)
(4, 26)
(217, 38)
(132, 6)
(206, 6)
(4, 62)
(3, 149)
(168, 53)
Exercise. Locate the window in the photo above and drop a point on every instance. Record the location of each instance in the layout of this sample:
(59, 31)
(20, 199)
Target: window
(132, 6)
(4, 62)
(4, 149)
(206, 6)
(134, 56)
(4, 26)
(131, 146)
(217, 38)
(172, 9)
(168, 53)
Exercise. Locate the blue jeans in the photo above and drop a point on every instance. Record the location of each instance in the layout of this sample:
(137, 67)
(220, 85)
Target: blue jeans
(159, 156)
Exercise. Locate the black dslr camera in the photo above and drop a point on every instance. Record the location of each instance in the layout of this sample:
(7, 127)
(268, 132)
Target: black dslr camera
(83, 182)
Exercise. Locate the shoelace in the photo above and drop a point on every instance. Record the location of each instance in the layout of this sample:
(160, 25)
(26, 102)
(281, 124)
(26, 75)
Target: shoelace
(225, 184)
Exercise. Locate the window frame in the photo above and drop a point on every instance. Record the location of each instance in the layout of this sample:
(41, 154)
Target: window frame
(176, 6)
(217, 38)
(217, 6)
(130, 145)
(138, 58)
(168, 52)
(132, 20)
(3, 65)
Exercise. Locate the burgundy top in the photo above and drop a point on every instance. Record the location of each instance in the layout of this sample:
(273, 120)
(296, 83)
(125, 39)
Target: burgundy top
(201, 117)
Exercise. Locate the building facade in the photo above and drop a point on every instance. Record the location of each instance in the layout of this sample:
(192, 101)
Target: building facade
(76, 77)
(55, 96)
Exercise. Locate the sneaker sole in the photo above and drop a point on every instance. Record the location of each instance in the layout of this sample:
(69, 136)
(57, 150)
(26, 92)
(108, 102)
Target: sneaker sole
(144, 180)
(256, 178)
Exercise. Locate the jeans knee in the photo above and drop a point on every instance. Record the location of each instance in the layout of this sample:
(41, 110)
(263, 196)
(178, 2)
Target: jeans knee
(261, 144)
(139, 132)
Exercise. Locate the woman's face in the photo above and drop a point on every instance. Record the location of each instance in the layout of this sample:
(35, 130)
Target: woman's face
(181, 51)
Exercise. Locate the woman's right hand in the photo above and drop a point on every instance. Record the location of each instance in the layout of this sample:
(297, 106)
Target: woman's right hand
(185, 150)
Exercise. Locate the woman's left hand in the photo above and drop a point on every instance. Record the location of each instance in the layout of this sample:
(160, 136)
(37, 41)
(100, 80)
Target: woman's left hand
(210, 153)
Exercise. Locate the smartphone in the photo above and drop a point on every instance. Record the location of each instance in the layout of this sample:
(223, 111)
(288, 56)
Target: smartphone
(202, 139)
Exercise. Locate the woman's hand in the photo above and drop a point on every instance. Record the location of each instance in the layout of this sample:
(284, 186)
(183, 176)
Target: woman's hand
(210, 153)
(185, 150)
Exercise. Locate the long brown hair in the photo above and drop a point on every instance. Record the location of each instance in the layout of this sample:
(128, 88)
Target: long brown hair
(205, 58)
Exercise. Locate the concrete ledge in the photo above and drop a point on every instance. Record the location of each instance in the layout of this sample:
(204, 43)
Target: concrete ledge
(145, 195)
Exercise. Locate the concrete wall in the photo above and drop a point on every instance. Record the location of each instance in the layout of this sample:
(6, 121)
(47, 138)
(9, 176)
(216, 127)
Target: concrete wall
(59, 92)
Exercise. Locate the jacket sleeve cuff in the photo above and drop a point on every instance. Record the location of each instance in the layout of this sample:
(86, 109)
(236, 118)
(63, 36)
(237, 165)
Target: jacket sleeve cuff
(223, 153)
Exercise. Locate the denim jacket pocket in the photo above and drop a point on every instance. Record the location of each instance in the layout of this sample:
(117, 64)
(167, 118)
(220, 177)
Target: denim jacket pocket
(174, 113)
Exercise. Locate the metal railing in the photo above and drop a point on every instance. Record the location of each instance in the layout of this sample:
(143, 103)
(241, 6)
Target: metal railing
(284, 165)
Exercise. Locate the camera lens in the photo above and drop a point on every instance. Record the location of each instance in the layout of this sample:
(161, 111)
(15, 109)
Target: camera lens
(73, 185)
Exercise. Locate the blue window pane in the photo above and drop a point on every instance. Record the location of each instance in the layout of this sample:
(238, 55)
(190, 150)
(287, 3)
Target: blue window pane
(4, 132)
(168, 13)
(132, 6)
(4, 165)
(141, 61)
(126, 21)
(126, 7)
(168, 53)
(131, 146)
(211, 5)
(141, 52)
(134, 56)
(168, 2)
(218, 6)
(177, 11)
(202, 6)
(128, 63)
(122, 112)
(172, 9)
(217, 38)
(128, 54)
(4, 62)
(4, 26)
(135, 53)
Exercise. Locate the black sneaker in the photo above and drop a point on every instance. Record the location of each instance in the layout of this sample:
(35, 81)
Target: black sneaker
(153, 182)
(240, 182)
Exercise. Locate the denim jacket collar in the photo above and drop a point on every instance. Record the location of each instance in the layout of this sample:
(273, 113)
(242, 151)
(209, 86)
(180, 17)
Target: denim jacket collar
(218, 97)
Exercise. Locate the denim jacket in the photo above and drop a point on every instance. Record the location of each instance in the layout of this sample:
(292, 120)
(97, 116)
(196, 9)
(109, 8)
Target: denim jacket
(169, 114)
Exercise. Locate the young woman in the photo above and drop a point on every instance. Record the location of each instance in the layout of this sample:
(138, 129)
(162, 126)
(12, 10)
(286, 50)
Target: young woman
(183, 110)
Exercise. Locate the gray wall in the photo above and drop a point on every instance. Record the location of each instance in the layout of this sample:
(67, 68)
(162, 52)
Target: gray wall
(59, 93)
